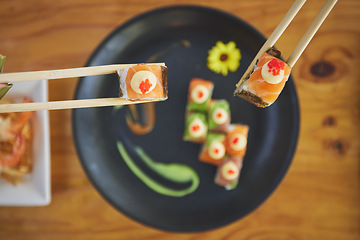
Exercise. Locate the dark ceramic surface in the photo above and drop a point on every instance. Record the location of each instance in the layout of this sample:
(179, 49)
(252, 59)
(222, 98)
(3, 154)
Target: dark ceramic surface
(272, 137)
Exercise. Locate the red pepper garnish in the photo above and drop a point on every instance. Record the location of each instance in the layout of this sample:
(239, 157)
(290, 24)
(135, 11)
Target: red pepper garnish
(236, 140)
(230, 172)
(195, 128)
(219, 115)
(275, 66)
(216, 150)
(200, 94)
(145, 86)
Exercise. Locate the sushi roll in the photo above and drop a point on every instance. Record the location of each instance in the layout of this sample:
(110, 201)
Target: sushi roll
(199, 96)
(219, 116)
(143, 82)
(267, 80)
(213, 150)
(228, 172)
(195, 127)
(236, 140)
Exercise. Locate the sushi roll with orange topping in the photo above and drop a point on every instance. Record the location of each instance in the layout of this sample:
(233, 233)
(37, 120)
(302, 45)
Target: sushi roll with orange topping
(236, 140)
(219, 116)
(228, 172)
(196, 128)
(267, 80)
(213, 150)
(199, 96)
(143, 82)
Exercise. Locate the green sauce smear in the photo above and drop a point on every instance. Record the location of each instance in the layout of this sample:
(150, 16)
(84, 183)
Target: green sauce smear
(175, 172)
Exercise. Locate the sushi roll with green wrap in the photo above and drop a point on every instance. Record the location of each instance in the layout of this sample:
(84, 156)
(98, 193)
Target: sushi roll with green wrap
(196, 127)
(228, 172)
(219, 116)
(213, 150)
(199, 96)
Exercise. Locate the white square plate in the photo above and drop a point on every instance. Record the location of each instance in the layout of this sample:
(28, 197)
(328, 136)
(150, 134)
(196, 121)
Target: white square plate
(34, 189)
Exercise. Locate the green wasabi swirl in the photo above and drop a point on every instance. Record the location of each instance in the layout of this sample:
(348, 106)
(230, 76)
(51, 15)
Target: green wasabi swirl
(175, 172)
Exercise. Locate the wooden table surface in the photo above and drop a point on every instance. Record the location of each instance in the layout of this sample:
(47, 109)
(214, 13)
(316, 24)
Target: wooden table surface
(319, 198)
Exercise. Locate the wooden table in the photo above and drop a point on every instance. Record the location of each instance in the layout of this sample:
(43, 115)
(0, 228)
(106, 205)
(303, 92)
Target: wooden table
(318, 199)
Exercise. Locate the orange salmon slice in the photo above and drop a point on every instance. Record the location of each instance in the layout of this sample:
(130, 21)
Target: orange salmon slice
(266, 91)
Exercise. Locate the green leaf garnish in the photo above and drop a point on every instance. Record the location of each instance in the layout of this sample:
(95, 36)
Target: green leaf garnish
(2, 61)
(4, 90)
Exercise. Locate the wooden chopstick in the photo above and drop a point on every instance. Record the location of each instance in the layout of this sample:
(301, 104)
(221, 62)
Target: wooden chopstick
(284, 23)
(68, 104)
(315, 25)
(319, 19)
(66, 73)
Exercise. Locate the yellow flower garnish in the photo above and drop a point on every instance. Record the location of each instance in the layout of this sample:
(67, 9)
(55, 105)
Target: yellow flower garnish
(223, 58)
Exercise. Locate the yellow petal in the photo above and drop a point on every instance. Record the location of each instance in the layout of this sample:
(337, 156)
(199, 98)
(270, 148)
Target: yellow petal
(231, 45)
(214, 66)
(221, 46)
(235, 55)
(233, 66)
(224, 71)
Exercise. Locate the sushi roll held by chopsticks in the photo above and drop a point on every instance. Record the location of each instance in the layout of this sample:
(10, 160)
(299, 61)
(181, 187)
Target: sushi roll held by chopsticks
(139, 83)
(143, 82)
(267, 74)
(266, 81)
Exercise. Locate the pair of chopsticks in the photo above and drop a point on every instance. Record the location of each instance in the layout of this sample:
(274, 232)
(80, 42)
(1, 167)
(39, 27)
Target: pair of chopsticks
(294, 56)
(60, 74)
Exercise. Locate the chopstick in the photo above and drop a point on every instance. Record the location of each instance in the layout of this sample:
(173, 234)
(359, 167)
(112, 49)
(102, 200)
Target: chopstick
(68, 104)
(275, 35)
(315, 25)
(297, 5)
(66, 73)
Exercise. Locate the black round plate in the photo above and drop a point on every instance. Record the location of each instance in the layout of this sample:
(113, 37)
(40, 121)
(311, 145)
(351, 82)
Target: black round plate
(272, 137)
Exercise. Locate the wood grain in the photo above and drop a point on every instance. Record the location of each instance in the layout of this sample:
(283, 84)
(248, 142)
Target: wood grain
(318, 199)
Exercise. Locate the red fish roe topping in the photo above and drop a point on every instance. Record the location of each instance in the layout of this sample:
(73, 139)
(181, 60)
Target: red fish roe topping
(231, 172)
(200, 94)
(195, 128)
(216, 150)
(145, 86)
(219, 115)
(236, 140)
(276, 66)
